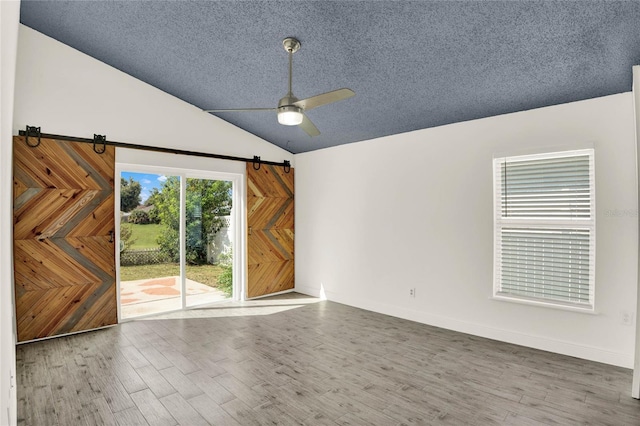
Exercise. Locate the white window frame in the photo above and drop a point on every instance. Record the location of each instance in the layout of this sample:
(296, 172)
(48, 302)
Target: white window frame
(538, 223)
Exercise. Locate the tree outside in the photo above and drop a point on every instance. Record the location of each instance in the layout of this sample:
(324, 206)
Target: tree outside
(207, 202)
(129, 194)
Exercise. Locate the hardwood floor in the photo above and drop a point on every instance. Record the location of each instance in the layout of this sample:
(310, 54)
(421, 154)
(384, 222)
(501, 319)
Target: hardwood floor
(292, 360)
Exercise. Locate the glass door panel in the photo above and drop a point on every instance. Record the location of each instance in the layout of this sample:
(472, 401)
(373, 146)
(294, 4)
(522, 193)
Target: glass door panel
(150, 279)
(208, 241)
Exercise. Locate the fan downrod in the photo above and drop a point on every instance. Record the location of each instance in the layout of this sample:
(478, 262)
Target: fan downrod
(291, 44)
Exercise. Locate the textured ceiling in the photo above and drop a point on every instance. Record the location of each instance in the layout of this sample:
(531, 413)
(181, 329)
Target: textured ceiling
(413, 65)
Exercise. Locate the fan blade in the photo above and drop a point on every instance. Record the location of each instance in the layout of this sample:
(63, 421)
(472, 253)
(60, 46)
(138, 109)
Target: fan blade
(240, 110)
(308, 126)
(324, 98)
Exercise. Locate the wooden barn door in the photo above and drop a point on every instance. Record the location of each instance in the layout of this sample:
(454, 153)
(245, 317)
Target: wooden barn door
(271, 229)
(64, 255)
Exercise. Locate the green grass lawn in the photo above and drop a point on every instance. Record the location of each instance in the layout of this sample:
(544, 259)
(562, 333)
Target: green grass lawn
(144, 236)
(205, 274)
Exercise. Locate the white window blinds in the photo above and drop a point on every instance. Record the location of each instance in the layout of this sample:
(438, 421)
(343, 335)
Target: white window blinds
(545, 227)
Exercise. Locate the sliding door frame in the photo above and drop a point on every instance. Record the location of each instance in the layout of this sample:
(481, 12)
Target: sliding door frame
(238, 222)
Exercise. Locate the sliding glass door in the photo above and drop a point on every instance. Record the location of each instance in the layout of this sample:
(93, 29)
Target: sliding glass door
(176, 240)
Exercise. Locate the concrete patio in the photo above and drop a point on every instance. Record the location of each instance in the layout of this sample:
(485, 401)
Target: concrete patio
(154, 295)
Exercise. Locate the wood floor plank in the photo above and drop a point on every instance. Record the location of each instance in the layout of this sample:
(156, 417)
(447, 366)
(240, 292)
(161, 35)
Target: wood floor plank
(182, 411)
(155, 357)
(114, 393)
(68, 408)
(241, 412)
(625, 404)
(38, 406)
(241, 371)
(366, 418)
(34, 374)
(313, 403)
(135, 358)
(184, 364)
(181, 383)
(206, 365)
(153, 411)
(130, 417)
(241, 390)
(211, 411)
(129, 378)
(409, 415)
(601, 415)
(519, 420)
(214, 390)
(320, 420)
(316, 363)
(278, 396)
(155, 381)
(274, 413)
(98, 412)
(78, 380)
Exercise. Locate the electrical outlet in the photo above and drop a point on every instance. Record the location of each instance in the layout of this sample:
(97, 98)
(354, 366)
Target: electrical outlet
(626, 317)
(412, 292)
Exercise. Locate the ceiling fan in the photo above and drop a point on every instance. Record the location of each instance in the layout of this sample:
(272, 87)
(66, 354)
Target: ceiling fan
(291, 110)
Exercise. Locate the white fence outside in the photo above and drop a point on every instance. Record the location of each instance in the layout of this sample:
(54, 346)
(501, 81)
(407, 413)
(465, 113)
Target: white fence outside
(221, 242)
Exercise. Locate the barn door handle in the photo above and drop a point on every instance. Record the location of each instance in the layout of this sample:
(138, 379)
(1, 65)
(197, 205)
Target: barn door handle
(249, 230)
(110, 236)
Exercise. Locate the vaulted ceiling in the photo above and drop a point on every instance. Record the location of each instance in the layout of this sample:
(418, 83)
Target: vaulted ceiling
(413, 65)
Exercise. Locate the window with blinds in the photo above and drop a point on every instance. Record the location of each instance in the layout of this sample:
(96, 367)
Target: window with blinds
(545, 228)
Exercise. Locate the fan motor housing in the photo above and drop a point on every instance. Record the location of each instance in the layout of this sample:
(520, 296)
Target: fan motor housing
(288, 100)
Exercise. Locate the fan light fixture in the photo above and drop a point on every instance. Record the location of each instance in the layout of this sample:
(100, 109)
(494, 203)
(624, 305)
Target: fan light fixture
(291, 110)
(290, 115)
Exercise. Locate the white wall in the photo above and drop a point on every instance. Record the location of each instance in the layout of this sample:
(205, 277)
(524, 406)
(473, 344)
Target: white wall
(9, 18)
(375, 218)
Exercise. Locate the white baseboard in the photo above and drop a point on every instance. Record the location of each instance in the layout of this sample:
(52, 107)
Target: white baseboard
(537, 342)
(309, 291)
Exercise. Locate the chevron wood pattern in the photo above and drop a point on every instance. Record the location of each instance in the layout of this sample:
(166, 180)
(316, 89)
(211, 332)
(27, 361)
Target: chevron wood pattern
(64, 258)
(270, 219)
